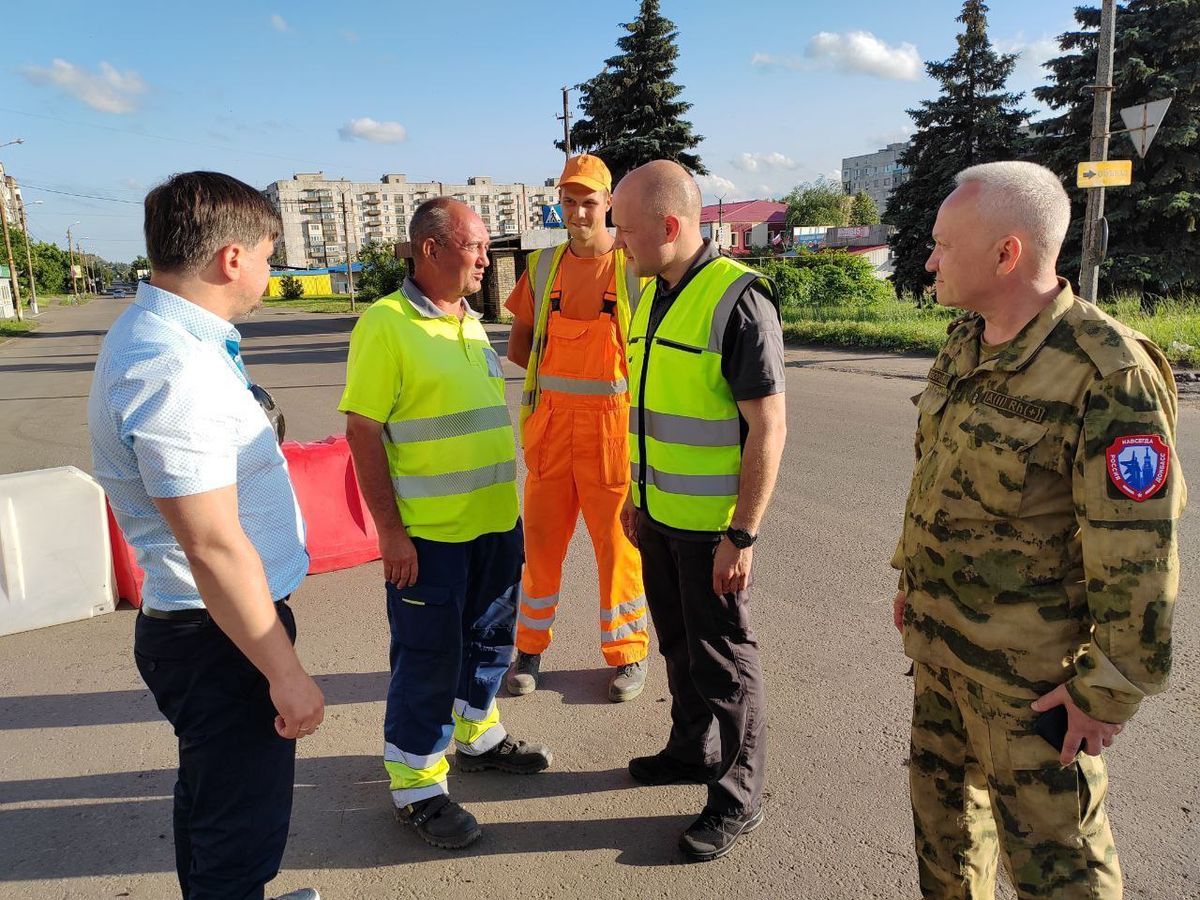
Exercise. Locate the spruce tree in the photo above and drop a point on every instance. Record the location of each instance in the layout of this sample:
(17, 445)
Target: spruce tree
(863, 210)
(973, 120)
(1154, 244)
(632, 111)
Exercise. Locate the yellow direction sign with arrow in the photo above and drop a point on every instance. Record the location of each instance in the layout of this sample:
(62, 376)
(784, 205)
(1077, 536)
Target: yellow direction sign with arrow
(1110, 173)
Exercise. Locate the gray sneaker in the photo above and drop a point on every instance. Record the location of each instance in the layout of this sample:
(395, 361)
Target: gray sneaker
(628, 682)
(523, 676)
(301, 894)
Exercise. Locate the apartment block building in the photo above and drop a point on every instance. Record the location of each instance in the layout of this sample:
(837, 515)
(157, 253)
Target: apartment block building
(10, 196)
(319, 213)
(877, 173)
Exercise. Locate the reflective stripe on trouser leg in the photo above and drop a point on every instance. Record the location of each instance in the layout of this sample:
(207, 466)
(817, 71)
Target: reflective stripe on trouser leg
(624, 631)
(414, 777)
(535, 615)
(477, 731)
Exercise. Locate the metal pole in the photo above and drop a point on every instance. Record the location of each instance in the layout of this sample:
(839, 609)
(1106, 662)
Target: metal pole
(1089, 265)
(71, 256)
(566, 120)
(12, 270)
(349, 273)
(33, 307)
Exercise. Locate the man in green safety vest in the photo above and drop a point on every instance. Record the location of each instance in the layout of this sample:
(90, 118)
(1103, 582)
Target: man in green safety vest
(706, 432)
(435, 455)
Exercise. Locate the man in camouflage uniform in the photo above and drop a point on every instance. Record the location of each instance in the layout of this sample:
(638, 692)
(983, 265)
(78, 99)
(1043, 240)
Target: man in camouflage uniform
(1038, 559)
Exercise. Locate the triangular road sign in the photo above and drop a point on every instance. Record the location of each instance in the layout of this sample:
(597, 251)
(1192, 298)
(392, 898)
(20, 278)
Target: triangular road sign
(1143, 121)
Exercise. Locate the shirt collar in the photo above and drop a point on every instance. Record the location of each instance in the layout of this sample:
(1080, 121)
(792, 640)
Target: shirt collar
(1021, 349)
(196, 320)
(427, 307)
(708, 253)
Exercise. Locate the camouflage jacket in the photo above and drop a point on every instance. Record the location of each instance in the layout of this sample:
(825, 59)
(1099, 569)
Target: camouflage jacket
(1039, 541)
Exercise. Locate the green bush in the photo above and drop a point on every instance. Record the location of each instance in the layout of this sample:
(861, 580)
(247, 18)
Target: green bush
(828, 279)
(291, 287)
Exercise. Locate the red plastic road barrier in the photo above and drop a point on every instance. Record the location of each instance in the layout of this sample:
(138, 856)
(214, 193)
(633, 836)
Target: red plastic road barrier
(341, 532)
(129, 574)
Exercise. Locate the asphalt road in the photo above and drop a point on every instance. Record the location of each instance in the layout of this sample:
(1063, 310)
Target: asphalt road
(86, 761)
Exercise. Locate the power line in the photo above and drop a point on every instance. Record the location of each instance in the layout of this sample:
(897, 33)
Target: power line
(156, 137)
(84, 196)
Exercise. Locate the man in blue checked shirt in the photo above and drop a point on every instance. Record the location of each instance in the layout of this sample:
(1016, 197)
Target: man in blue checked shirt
(198, 485)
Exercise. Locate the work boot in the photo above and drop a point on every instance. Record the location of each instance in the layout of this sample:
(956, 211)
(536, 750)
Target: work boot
(523, 676)
(301, 894)
(628, 682)
(440, 822)
(507, 756)
(713, 834)
(662, 769)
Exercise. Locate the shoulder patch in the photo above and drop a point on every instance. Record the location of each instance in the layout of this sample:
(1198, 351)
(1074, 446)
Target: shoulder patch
(1138, 465)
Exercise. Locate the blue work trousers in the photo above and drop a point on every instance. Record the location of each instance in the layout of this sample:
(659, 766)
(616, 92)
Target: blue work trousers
(452, 636)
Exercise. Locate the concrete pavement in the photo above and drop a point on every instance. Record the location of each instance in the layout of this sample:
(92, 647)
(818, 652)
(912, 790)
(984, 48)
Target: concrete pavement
(86, 759)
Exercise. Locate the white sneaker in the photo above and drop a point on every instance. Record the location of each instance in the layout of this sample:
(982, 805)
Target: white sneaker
(300, 894)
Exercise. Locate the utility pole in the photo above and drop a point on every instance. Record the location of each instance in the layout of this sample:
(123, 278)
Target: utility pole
(12, 270)
(71, 255)
(33, 307)
(349, 271)
(1089, 265)
(566, 120)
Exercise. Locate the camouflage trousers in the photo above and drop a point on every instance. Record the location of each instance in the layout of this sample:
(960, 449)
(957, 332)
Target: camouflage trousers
(983, 783)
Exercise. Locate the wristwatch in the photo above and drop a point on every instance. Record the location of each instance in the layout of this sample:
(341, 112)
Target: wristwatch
(740, 538)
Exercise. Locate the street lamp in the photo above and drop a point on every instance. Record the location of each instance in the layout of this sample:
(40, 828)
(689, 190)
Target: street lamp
(12, 269)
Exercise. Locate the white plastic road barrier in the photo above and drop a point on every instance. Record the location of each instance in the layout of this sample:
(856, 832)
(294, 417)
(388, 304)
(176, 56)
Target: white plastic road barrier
(55, 560)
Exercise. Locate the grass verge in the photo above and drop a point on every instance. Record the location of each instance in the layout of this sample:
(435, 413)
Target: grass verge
(901, 327)
(11, 327)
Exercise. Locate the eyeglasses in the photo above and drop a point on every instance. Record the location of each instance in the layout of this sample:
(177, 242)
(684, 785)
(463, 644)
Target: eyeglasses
(274, 414)
(474, 248)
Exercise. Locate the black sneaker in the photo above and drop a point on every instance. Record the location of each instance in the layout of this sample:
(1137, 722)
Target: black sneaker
(523, 676)
(507, 756)
(440, 822)
(662, 769)
(713, 834)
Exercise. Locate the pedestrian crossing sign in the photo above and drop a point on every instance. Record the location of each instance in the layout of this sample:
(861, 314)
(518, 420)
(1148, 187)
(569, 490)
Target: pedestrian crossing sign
(552, 216)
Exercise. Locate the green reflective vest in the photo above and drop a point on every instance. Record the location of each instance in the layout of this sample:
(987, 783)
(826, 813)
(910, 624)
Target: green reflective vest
(449, 439)
(685, 446)
(542, 267)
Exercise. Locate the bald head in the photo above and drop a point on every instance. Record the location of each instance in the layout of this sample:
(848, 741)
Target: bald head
(450, 248)
(664, 188)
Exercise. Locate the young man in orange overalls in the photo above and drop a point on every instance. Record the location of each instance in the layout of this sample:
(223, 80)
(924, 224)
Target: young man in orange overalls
(572, 309)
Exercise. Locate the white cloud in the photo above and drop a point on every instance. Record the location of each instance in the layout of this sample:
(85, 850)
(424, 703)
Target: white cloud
(376, 132)
(351, 37)
(881, 139)
(862, 53)
(752, 162)
(107, 90)
(1032, 53)
(715, 185)
(278, 22)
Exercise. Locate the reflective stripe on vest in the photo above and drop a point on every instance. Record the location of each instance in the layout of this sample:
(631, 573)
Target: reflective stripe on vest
(685, 445)
(543, 265)
(449, 439)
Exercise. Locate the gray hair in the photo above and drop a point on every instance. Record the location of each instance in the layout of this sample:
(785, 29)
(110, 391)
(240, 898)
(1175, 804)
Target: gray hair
(1024, 196)
(432, 219)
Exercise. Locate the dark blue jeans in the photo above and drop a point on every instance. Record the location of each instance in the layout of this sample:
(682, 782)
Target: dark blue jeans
(452, 635)
(233, 797)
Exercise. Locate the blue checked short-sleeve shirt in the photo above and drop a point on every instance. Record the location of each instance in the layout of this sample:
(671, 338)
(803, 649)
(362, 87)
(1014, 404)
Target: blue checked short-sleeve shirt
(170, 415)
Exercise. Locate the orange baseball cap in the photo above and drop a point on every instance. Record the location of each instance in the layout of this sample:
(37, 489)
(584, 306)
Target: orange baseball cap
(587, 171)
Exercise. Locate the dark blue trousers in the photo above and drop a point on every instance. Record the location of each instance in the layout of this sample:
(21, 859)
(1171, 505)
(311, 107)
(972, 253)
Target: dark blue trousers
(452, 636)
(233, 797)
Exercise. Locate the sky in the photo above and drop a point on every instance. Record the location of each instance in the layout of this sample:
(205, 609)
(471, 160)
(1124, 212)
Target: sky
(112, 98)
